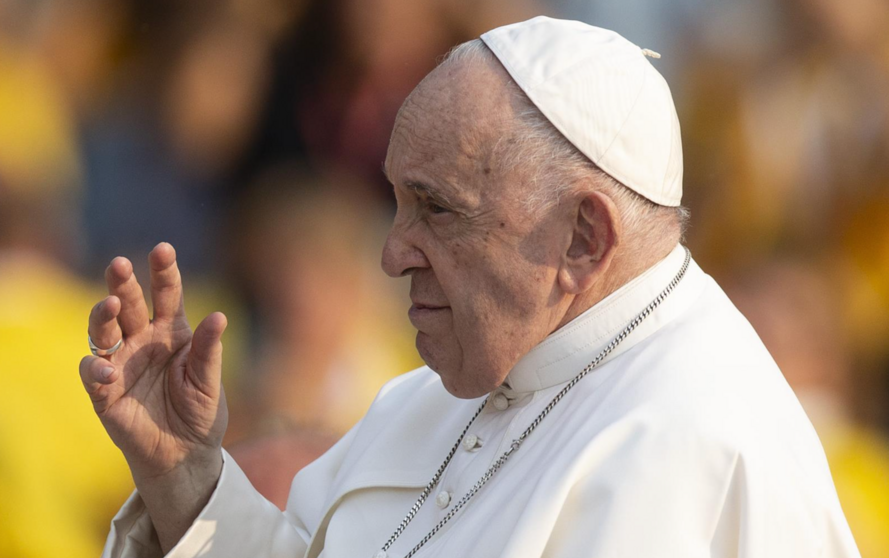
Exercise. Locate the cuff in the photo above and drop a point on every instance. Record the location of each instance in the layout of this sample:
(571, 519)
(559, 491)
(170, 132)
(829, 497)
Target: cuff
(236, 522)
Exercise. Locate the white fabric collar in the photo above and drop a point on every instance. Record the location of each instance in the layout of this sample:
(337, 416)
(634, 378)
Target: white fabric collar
(566, 351)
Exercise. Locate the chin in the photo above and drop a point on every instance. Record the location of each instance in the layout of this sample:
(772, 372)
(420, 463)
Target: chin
(461, 389)
(459, 380)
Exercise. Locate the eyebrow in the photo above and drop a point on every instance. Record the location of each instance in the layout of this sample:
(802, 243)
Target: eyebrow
(425, 188)
(432, 191)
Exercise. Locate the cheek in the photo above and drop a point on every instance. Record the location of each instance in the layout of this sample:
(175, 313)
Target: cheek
(498, 315)
(499, 301)
(502, 295)
(488, 280)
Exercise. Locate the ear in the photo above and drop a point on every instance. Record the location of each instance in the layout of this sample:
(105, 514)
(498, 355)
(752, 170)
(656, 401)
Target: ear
(596, 235)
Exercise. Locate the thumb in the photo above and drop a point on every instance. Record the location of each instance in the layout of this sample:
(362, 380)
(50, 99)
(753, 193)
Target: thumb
(205, 357)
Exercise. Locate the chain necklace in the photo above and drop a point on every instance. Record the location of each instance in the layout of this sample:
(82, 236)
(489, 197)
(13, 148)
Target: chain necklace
(516, 443)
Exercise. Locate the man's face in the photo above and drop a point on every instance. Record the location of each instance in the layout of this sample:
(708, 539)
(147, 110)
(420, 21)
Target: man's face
(482, 267)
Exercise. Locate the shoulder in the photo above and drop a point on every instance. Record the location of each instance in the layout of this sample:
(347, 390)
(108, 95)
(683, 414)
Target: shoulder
(708, 370)
(705, 387)
(704, 379)
(422, 379)
(409, 392)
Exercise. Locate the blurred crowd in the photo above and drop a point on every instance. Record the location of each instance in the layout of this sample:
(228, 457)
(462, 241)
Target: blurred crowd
(250, 134)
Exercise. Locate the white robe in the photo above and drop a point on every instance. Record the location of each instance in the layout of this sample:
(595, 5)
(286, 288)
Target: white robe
(686, 442)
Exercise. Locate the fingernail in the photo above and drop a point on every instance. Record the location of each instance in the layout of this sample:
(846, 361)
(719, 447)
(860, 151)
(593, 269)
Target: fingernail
(106, 372)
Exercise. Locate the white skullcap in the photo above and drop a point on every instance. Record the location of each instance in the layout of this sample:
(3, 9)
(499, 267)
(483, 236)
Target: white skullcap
(601, 92)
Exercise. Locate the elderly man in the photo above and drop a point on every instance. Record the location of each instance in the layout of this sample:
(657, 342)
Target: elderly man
(589, 390)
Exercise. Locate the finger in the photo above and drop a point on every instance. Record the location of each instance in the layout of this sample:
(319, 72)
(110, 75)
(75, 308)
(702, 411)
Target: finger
(205, 357)
(166, 283)
(122, 283)
(103, 327)
(99, 379)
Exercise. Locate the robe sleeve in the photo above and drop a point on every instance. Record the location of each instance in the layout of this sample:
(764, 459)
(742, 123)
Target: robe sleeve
(237, 521)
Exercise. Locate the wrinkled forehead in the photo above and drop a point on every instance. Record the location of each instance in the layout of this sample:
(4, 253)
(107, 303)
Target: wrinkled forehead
(454, 119)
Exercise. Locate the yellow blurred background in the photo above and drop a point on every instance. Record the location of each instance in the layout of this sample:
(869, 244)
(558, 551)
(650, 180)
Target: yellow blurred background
(250, 135)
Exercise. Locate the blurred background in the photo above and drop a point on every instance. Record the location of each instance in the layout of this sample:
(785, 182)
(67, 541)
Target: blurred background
(250, 134)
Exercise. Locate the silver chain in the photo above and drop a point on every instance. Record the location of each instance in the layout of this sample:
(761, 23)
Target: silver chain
(516, 443)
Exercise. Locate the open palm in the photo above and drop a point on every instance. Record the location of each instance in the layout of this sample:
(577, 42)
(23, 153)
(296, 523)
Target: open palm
(159, 396)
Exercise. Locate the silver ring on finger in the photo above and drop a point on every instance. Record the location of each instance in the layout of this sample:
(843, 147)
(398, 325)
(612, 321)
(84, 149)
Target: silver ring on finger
(103, 352)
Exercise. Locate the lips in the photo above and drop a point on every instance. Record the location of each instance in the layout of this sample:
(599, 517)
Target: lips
(430, 305)
(421, 314)
(425, 306)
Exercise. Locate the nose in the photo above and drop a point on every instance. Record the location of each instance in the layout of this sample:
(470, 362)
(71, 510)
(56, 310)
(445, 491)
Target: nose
(400, 255)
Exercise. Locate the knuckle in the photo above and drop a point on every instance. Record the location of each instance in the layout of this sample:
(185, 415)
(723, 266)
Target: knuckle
(168, 285)
(168, 275)
(100, 406)
(164, 267)
(98, 395)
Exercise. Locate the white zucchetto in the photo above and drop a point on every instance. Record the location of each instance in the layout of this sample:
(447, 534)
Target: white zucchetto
(601, 92)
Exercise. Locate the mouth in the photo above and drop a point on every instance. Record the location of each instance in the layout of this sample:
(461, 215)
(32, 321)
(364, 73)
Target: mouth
(421, 314)
(423, 306)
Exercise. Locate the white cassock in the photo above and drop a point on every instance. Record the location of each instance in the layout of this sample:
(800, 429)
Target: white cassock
(686, 442)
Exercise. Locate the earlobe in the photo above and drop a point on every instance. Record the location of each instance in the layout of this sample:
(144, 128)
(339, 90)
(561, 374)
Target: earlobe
(567, 280)
(593, 241)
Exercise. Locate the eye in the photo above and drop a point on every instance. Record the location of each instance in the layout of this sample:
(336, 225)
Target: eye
(435, 208)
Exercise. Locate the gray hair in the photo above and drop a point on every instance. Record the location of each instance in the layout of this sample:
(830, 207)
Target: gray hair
(556, 166)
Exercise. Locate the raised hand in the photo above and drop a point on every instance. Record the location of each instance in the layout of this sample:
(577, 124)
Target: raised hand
(160, 395)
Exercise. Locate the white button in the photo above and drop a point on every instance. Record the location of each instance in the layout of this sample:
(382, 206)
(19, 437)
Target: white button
(500, 402)
(471, 442)
(381, 554)
(443, 499)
